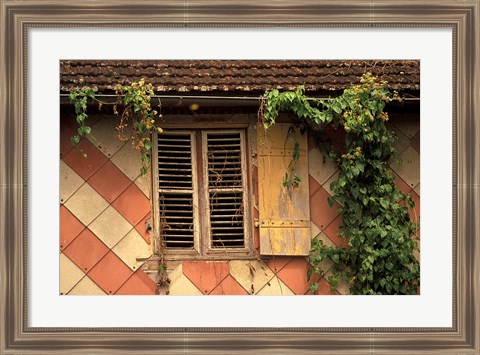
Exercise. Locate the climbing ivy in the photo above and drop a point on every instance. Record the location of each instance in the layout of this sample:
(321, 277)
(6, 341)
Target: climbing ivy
(133, 104)
(378, 255)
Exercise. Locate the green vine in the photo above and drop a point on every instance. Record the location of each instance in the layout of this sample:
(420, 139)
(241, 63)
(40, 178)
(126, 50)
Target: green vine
(379, 235)
(132, 107)
(291, 179)
(133, 104)
(79, 99)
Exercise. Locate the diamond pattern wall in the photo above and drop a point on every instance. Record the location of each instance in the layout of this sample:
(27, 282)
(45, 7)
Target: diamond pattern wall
(105, 207)
(101, 214)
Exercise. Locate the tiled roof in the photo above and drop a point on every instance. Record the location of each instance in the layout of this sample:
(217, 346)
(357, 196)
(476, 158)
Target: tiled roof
(236, 75)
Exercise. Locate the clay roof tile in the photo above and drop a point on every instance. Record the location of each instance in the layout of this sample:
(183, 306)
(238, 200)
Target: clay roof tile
(236, 75)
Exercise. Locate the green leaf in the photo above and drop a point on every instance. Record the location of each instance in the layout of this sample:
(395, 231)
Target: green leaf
(141, 127)
(314, 287)
(147, 144)
(84, 130)
(145, 158)
(384, 203)
(360, 166)
(75, 140)
(89, 92)
(337, 109)
(331, 200)
(296, 152)
(355, 171)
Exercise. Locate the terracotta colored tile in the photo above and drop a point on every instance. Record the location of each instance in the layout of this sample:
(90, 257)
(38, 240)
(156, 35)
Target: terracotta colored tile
(320, 212)
(110, 227)
(320, 167)
(128, 160)
(415, 142)
(132, 204)
(86, 250)
(229, 287)
(70, 182)
(68, 128)
(313, 185)
(402, 185)
(294, 275)
(87, 287)
(138, 284)
(251, 274)
(205, 275)
(180, 284)
(86, 204)
(70, 274)
(110, 273)
(141, 227)
(70, 227)
(275, 287)
(324, 288)
(85, 167)
(332, 232)
(109, 181)
(276, 263)
(131, 247)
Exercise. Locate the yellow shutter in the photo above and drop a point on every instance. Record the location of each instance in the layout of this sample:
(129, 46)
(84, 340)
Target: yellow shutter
(284, 213)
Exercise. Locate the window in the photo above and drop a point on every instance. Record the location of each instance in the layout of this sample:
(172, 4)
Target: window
(206, 198)
(202, 204)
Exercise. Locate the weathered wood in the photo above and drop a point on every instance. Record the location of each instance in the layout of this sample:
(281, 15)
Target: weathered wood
(284, 213)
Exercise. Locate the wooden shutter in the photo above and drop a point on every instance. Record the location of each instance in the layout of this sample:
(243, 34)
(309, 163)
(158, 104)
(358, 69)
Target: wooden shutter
(284, 213)
(176, 187)
(225, 186)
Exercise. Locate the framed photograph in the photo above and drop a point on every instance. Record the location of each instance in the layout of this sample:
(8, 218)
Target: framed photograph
(196, 212)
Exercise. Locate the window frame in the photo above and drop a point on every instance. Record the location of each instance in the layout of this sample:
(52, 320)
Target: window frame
(202, 238)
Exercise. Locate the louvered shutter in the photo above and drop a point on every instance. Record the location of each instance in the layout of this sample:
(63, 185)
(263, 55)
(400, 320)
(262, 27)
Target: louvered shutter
(225, 186)
(284, 213)
(177, 189)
